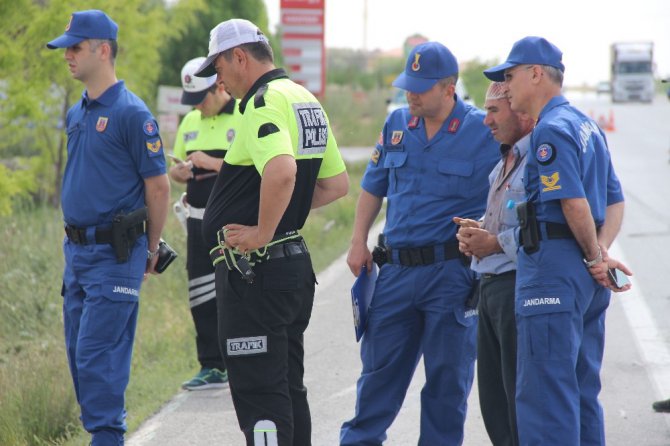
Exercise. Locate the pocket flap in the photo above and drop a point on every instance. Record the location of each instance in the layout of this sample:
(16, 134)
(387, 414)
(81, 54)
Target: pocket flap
(121, 290)
(456, 167)
(394, 159)
(534, 301)
(466, 316)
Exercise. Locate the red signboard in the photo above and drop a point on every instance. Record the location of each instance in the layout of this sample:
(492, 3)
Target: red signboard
(303, 49)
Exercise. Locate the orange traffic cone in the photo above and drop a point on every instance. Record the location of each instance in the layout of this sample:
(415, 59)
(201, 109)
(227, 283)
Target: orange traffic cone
(610, 125)
(602, 122)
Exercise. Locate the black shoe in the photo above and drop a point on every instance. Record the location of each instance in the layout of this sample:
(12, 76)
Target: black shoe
(662, 406)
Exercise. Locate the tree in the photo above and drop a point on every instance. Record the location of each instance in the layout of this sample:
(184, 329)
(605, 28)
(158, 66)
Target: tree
(192, 41)
(474, 80)
(39, 89)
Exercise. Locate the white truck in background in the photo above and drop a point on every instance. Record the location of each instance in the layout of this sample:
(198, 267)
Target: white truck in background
(632, 71)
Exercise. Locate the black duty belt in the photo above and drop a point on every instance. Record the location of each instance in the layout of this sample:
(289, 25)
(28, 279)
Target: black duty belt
(552, 231)
(102, 236)
(425, 255)
(287, 249)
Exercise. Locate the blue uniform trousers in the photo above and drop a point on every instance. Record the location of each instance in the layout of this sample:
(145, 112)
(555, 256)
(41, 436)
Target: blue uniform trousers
(560, 314)
(100, 306)
(416, 310)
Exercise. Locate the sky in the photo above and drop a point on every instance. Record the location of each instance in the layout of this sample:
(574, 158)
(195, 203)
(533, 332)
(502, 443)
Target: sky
(486, 29)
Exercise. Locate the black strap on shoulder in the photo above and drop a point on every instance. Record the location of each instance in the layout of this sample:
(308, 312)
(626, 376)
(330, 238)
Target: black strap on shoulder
(259, 100)
(267, 129)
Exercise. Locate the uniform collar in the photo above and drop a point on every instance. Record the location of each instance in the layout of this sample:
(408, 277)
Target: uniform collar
(453, 122)
(108, 97)
(277, 73)
(229, 108)
(520, 147)
(553, 103)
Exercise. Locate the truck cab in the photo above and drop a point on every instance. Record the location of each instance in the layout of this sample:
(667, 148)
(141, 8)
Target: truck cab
(632, 77)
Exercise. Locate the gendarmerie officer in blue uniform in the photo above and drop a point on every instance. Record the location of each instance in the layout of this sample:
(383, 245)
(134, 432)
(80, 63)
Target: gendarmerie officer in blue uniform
(573, 212)
(115, 200)
(431, 163)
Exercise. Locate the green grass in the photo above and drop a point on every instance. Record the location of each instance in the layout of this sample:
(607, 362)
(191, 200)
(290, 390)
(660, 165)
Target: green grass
(37, 399)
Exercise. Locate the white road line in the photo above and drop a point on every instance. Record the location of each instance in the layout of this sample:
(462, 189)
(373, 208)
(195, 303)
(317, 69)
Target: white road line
(648, 338)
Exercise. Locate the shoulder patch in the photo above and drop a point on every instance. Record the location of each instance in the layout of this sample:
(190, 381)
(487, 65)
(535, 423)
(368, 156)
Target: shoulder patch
(396, 137)
(230, 135)
(545, 154)
(550, 182)
(150, 128)
(259, 100)
(375, 156)
(154, 147)
(267, 129)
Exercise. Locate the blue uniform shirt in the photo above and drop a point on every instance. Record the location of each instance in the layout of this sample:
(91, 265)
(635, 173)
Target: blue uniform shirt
(569, 159)
(112, 145)
(427, 183)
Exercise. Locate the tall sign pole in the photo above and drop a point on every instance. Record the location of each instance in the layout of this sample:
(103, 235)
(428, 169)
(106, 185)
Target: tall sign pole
(303, 47)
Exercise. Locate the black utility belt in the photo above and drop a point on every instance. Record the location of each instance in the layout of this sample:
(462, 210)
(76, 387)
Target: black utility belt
(102, 236)
(126, 228)
(278, 251)
(553, 231)
(425, 255)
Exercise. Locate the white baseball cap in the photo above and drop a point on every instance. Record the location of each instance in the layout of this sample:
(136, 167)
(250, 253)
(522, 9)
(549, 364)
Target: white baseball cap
(227, 35)
(195, 88)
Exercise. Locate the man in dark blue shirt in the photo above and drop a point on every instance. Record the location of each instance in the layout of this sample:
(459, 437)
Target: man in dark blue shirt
(115, 198)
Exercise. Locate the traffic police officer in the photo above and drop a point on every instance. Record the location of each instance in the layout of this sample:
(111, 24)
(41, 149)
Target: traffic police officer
(284, 161)
(560, 309)
(431, 162)
(115, 168)
(204, 136)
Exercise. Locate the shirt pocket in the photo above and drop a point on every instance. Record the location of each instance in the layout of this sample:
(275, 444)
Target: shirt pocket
(512, 197)
(453, 176)
(394, 161)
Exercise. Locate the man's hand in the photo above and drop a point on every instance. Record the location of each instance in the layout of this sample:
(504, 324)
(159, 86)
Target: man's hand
(477, 242)
(151, 267)
(600, 274)
(244, 238)
(359, 255)
(466, 222)
(203, 161)
(182, 172)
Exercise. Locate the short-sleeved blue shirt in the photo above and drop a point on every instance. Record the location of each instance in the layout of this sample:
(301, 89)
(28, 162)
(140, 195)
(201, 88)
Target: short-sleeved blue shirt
(569, 159)
(113, 144)
(427, 183)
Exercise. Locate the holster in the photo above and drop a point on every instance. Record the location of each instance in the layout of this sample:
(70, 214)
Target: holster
(379, 252)
(528, 227)
(126, 229)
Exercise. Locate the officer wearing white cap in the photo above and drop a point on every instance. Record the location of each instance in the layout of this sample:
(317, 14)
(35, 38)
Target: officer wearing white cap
(431, 163)
(284, 161)
(573, 212)
(493, 245)
(115, 198)
(204, 136)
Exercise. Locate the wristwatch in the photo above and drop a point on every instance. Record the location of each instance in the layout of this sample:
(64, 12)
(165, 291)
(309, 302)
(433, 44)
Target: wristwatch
(597, 260)
(152, 254)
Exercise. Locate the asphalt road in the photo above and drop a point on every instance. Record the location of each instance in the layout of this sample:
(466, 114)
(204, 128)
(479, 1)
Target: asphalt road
(636, 370)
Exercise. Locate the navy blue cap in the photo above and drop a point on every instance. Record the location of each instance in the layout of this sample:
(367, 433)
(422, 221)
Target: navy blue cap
(530, 50)
(91, 24)
(427, 63)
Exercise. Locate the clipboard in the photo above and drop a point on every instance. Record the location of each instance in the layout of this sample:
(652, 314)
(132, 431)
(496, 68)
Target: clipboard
(361, 296)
